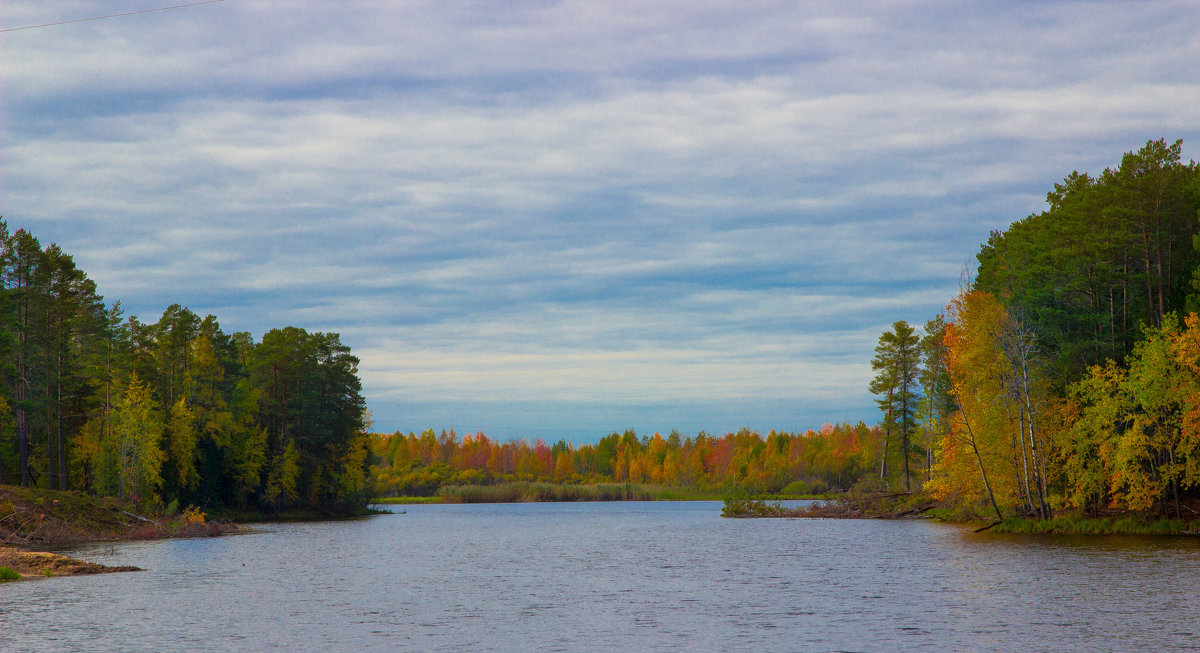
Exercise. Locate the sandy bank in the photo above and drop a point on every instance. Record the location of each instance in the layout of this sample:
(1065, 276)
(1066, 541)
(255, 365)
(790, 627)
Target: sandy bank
(40, 564)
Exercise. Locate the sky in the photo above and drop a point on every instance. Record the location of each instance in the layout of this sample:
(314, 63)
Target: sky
(563, 219)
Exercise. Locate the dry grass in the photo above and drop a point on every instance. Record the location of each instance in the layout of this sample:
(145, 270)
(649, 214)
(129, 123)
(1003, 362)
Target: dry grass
(33, 564)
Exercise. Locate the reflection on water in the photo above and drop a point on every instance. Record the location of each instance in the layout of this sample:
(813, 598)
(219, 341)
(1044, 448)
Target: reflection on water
(617, 576)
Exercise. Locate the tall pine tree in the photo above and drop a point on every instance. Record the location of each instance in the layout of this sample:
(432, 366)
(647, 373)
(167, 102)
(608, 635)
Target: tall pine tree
(897, 364)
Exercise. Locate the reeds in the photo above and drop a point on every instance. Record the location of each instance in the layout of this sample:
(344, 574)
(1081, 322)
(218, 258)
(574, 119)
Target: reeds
(524, 491)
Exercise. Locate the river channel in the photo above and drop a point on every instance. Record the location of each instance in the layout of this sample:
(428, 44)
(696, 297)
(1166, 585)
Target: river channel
(617, 577)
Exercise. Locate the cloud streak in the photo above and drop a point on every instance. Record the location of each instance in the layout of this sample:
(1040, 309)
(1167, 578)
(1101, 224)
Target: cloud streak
(597, 215)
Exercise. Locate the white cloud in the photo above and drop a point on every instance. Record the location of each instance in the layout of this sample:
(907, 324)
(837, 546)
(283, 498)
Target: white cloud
(678, 202)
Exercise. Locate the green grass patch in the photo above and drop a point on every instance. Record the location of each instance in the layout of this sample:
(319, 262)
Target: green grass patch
(683, 494)
(405, 500)
(1124, 525)
(8, 573)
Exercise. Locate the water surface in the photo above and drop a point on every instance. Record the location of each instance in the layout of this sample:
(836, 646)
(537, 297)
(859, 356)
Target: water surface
(617, 576)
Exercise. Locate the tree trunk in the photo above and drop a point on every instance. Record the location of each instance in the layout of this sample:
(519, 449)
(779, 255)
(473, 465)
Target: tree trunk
(982, 470)
(905, 446)
(62, 459)
(887, 430)
(22, 418)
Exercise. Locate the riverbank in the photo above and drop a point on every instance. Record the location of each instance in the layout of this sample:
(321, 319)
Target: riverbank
(34, 564)
(36, 518)
(880, 505)
(874, 505)
(1079, 525)
(33, 520)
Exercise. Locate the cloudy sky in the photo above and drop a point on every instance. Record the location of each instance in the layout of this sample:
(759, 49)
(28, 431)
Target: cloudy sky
(560, 219)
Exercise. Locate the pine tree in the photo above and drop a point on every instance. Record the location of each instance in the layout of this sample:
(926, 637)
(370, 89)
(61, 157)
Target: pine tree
(898, 365)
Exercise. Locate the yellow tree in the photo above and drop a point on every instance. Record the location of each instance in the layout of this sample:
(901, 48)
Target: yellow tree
(563, 466)
(1186, 349)
(131, 459)
(1135, 442)
(976, 453)
(181, 445)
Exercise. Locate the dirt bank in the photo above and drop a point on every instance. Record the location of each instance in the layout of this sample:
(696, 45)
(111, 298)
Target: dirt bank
(33, 519)
(35, 564)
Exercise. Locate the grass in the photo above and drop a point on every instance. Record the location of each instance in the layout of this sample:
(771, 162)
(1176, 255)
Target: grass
(1124, 525)
(32, 516)
(406, 500)
(8, 573)
(669, 493)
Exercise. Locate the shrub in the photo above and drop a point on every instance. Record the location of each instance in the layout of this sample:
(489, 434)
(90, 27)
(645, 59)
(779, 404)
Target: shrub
(193, 516)
(8, 573)
(795, 487)
(146, 532)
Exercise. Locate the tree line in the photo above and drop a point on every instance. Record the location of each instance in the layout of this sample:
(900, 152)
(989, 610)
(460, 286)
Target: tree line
(835, 457)
(1066, 374)
(177, 410)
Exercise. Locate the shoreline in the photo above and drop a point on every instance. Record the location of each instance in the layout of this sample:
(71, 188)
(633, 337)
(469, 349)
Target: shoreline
(44, 564)
(550, 492)
(916, 506)
(34, 522)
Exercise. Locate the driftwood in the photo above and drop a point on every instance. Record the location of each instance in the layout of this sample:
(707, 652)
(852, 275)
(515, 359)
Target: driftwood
(149, 521)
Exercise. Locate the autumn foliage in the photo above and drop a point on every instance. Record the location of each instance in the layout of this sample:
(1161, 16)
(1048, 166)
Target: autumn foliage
(1073, 360)
(835, 457)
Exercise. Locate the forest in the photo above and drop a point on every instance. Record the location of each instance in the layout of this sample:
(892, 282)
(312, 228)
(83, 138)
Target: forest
(833, 458)
(1065, 376)
(174, 412)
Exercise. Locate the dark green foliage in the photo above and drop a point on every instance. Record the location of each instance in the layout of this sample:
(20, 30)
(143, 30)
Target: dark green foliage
(897, 364)
(311, 403)
(1111, 254)
(276, 424)
(1097, 380)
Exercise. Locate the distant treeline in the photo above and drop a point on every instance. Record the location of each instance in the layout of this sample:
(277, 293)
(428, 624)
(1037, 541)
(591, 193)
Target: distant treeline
(1067, 374)
(836, 457)
(177, 410)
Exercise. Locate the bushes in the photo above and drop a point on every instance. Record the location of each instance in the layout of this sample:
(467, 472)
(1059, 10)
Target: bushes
(526, 491)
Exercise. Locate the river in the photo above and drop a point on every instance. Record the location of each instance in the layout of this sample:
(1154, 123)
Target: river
(615, 577)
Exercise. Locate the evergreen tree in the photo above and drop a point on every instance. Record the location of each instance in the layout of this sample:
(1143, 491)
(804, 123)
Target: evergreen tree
(897, 381)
